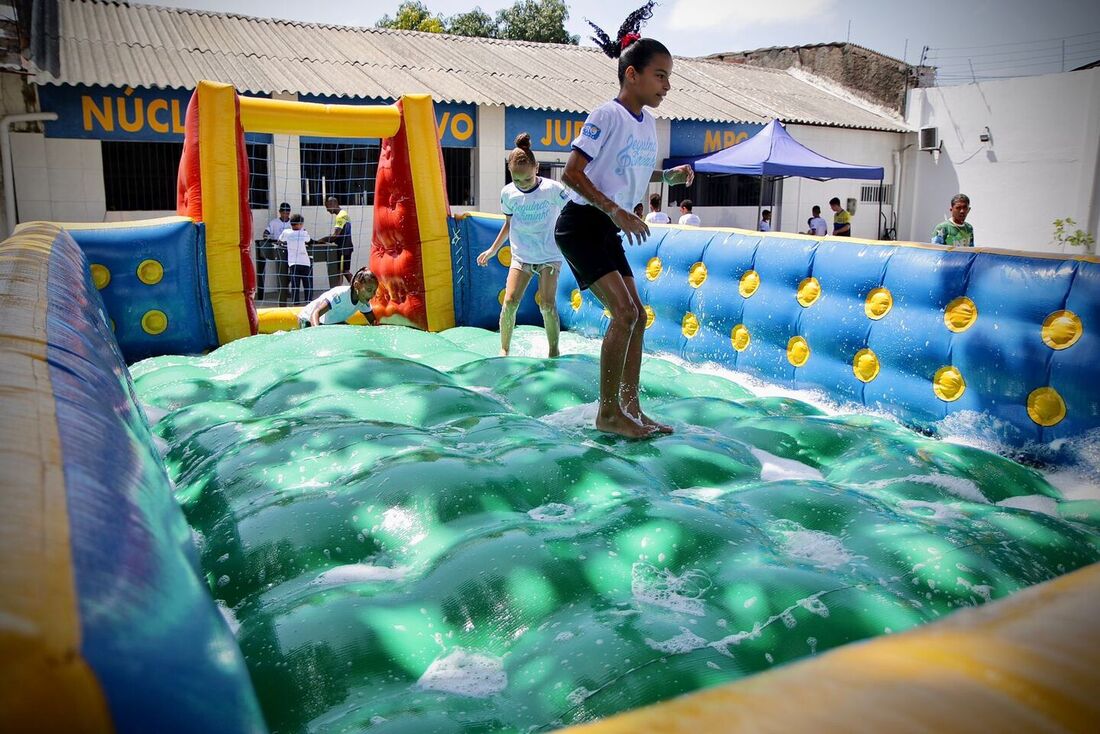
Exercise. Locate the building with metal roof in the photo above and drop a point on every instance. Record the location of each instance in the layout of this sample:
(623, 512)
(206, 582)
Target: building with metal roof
(112, 43)
(119, 75)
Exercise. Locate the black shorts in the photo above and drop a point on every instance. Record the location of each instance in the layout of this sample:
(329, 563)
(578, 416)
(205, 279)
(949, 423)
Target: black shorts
(591, 244)
(342, 257)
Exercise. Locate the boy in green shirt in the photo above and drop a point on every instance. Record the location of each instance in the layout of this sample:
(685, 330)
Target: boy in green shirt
(956, 231)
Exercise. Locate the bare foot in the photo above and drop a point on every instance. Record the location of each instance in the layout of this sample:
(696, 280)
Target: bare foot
(623, 425)
(645, 420)
(503, 353)
(554, 353)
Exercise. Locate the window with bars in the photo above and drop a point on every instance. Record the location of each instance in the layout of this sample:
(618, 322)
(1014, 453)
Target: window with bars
(458, 167)
(875, 193)
(258, 196)
(140, 176)
(346, 171)
(725, 190)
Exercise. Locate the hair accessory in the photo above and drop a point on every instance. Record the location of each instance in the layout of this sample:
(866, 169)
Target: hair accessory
(630, 38)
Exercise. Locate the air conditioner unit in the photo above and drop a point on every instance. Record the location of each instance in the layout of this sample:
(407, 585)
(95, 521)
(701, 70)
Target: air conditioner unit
(929, 138)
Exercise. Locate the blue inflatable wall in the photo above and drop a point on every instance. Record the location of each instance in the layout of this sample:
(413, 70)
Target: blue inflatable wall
(152, 278)
(1005, 341)
(123, 634)
(479, 291)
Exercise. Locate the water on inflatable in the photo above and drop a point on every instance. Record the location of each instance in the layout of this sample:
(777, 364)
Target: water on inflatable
(410, 534)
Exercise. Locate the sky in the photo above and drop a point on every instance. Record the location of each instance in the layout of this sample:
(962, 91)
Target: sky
(997, 37)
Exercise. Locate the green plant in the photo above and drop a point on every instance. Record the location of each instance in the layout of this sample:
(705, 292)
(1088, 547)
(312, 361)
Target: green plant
(1076, 238)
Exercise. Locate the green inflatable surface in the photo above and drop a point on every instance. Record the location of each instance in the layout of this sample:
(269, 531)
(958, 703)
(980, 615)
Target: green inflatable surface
(410, 535)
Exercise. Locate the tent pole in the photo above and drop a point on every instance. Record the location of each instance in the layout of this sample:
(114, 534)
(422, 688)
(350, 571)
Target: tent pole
(879, 224)
(759, 203)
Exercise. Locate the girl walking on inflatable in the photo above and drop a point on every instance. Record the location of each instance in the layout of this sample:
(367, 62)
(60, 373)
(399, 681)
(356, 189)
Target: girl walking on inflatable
(531, 205)
(609, 172)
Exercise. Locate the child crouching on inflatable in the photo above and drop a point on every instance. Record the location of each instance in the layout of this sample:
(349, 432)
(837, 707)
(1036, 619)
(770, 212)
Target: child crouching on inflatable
(337, 304)
(530, 205)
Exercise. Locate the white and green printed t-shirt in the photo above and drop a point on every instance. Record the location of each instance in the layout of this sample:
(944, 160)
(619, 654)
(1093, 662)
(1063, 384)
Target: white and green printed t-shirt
(533, 213)
(622, 152)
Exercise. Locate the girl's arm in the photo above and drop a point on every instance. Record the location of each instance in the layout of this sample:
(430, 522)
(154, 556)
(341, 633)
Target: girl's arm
(315, 317)
(575, 178)
(483, 258)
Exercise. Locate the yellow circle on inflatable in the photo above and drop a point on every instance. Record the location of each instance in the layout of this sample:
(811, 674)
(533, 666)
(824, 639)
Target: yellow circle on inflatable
(653, 268)
(740, 337)
(650, 316)
(1045, 406)
(798, 351)
(500, 296)
(504, 255)
(538, 299)
(112, 324)
(750, 281)
(1062, 329)
(150, 272)
(865, 365)
(697, 275)
(809, 291)
(607, 312)
(154, 322)
(878, 304)
(576, 299)
(690, 325)
(101, 276)
(960, 314)
(948, 384)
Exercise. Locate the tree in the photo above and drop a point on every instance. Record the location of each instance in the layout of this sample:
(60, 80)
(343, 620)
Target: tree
(412, 16)
(476, 23)
(535, 20)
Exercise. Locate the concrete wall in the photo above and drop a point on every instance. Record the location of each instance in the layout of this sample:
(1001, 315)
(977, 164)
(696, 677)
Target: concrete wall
(1042, 162)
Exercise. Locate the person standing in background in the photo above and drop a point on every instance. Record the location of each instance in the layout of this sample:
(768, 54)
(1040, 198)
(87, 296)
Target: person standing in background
(686, 216)
(842, 220)
(656, 216)
(272, 251)
(955, 231)
(817, 225)
(765, 221)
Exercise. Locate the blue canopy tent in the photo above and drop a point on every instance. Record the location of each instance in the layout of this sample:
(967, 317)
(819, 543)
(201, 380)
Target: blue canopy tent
(772, 152)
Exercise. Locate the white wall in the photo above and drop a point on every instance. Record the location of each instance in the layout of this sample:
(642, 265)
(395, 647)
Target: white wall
(1042, 163)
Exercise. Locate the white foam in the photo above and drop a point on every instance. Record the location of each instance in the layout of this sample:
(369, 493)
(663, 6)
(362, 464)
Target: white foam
(662, 588)
(775, 468)
(703, 494)
(686, 641)
(813, 546)
(551, 512)
(1034, 503)
(578, 695)
(573, 418)
(1075, 485)
(985, 591)
(465, 673)
(357, 573)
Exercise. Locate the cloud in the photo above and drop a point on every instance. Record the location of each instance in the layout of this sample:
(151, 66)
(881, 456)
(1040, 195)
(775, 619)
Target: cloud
(711, 14)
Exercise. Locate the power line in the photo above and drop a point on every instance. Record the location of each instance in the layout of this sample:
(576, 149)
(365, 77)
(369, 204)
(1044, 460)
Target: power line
(1014, 52)
(1015, 43)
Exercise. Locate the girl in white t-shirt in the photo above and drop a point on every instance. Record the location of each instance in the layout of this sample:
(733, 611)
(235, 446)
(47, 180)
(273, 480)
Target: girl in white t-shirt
(530, 205)
(297, 258)
(609, 171)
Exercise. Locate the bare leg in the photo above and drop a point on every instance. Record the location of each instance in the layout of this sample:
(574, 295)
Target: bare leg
(613, 293)
(513, 294)
(548, 290)
(632, 370)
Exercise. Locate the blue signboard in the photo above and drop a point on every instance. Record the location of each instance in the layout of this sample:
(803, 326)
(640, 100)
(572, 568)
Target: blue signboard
(548, 130)
(454, 121)
(692, 137)
(119, 113)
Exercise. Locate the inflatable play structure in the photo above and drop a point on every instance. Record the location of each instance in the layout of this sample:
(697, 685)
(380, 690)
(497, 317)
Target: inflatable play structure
(390, 529)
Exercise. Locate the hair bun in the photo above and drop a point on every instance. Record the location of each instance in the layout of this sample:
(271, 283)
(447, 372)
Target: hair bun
(523, 140)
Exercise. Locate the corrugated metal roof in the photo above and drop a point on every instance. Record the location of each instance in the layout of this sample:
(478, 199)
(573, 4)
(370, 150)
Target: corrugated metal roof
(111, 43)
